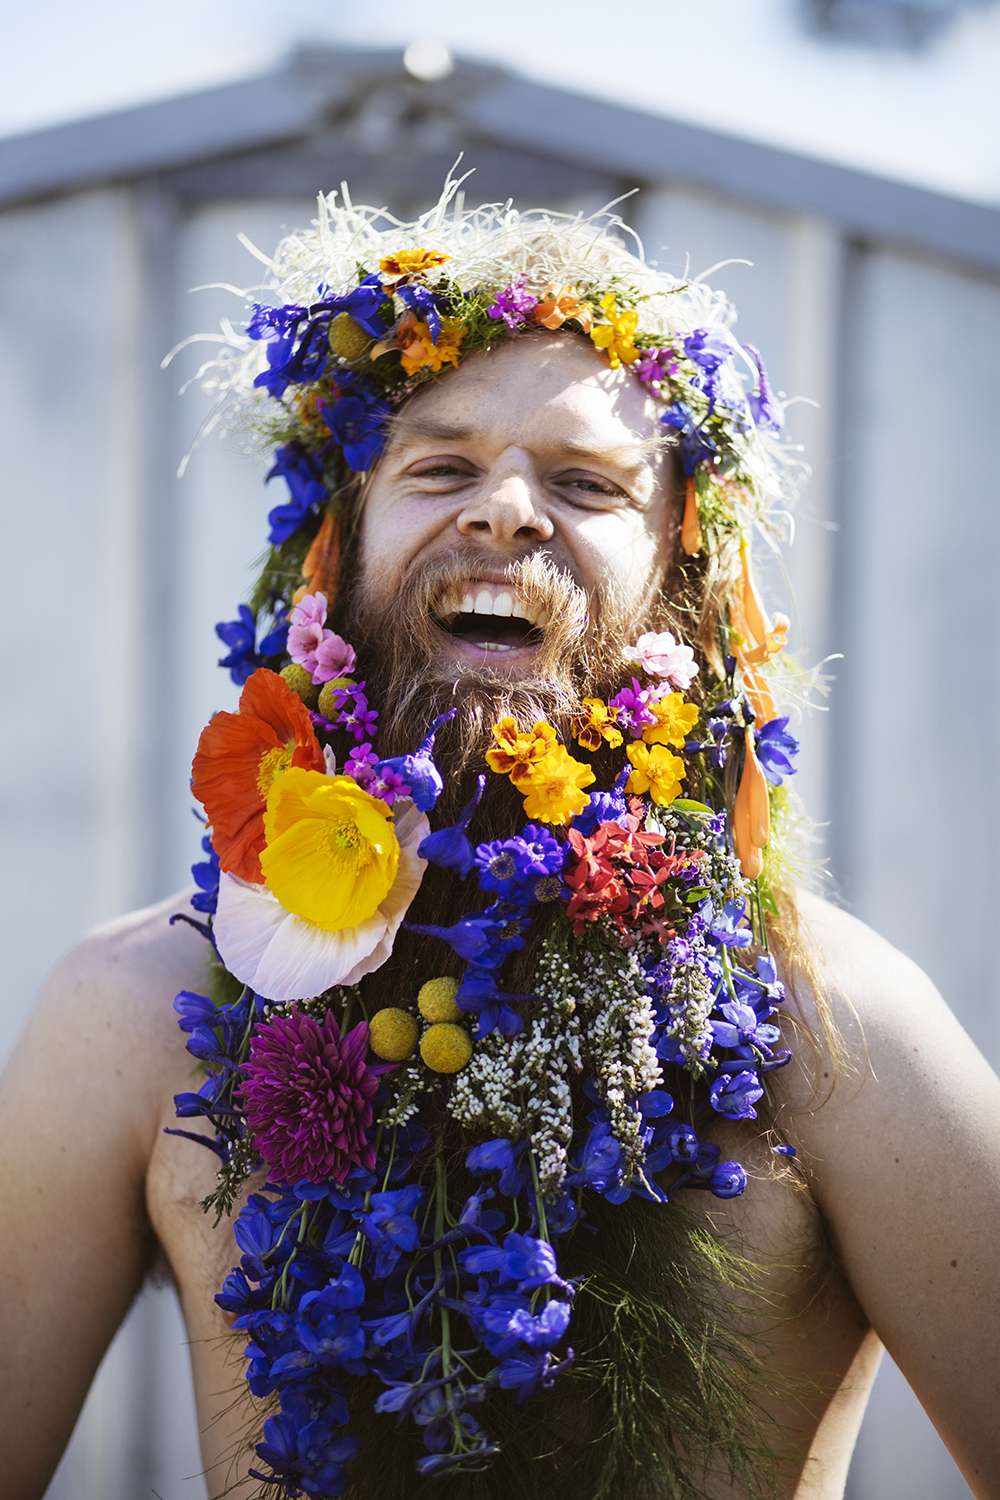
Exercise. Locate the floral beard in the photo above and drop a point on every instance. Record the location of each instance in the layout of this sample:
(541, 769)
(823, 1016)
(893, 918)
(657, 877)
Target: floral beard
(399, 645)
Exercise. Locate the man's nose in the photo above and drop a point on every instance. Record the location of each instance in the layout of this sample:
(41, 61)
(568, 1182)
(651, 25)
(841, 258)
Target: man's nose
(509, 507)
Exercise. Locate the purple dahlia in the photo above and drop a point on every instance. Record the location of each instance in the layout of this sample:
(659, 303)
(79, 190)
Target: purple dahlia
(307, 1092)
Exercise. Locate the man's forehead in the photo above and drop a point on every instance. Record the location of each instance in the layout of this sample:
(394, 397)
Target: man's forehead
(578, 420)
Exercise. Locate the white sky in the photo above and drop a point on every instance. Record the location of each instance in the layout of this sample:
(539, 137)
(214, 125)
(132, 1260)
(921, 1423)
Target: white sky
(741, 65)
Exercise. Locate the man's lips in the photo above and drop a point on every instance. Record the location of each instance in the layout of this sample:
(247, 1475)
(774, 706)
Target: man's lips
(487, 653)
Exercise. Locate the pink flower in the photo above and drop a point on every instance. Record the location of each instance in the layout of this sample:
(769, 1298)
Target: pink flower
(303, 643)
(661, 656)
(310, 610)
(308, 1093)
(334, 657)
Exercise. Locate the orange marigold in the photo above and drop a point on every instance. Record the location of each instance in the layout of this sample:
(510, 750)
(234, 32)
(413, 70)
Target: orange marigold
(514, 750)
(237, 759)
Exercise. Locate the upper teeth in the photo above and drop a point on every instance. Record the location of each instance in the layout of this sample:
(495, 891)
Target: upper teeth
(492, 599)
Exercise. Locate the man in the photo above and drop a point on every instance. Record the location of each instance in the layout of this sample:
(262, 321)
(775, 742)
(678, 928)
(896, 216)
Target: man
(535, 472)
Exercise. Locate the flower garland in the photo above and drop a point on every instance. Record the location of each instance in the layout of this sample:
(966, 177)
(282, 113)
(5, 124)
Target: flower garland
(375, 1250)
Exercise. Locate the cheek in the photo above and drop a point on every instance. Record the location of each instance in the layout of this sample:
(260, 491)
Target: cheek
(620, 549)
(390, 537)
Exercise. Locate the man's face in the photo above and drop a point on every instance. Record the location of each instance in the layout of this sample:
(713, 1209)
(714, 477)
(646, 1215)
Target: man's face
(529, 482)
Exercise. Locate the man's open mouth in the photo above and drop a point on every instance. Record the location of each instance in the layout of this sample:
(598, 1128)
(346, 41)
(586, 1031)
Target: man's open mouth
(490, 617)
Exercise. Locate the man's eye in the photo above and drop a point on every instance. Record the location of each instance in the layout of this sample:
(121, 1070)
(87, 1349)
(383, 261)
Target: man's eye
(438, 471)
(592, 486)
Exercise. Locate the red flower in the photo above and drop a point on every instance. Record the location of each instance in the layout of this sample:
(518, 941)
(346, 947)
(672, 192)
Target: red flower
(237, 759)
(618, 875)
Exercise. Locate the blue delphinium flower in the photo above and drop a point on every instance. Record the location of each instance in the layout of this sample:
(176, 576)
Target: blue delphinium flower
(497, 1009)
(304, 476)
(603, 807)
(422, 302)
(450, 847)
(205, 873)
(502, 1156)
(775, 749)
(696, 444)
(728, 1179)
(735, 1094)
(245, 655)
(304, 1457)
(390, 1226)
(728, 926)
(485, 939)
(356, 418)
(420, 776)
(743, 1028)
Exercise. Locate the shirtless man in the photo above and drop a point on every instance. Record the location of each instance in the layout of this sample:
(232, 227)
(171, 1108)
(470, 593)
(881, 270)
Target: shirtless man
(902, 1211)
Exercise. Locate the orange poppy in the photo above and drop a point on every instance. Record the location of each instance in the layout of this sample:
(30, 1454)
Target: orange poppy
(237, 759)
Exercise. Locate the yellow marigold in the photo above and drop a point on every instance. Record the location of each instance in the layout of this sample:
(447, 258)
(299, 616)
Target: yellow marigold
(421, 352)
(436, 1000)
(675, 720)
(392, 1033)
(445, 1047)
(553, 786)
(597, 723)
(515, 751)
(655, 771)
(617, 335)
(411, 262)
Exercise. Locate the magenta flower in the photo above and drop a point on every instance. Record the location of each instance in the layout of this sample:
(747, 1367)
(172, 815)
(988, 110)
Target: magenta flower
(632, 704)
(513, 304)
(360, 764)
(655, 366)
(661, 656)
(308, 1093)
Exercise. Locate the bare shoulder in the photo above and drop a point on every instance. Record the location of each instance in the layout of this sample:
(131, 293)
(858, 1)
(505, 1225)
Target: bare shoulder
(900, 1150)
(109, 1000)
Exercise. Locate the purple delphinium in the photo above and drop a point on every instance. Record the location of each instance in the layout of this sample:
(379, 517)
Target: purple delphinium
(763, 407)
(775, 749)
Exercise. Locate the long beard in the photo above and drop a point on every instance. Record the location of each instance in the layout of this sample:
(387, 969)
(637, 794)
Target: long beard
(411, 680)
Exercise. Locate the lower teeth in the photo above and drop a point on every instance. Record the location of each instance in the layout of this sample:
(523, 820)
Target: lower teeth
(492, 646)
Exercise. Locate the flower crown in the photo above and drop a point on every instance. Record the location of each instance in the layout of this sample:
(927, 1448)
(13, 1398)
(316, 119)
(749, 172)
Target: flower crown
(368, 1253)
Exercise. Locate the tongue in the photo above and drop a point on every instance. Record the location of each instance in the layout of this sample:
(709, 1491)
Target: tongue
(503, 630)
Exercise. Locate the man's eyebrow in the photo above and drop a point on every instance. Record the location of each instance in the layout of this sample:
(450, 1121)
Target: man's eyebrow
(405, 429)
(627, 456)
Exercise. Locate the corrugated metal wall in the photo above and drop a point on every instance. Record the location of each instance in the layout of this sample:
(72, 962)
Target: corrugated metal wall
(117, 573)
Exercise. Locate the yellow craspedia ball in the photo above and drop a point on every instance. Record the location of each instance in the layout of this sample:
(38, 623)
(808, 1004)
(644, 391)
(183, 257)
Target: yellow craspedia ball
(347, 338)
(329, 702)
(445, 1047)
(301, 683)
(436, 1000)
(392, 1033)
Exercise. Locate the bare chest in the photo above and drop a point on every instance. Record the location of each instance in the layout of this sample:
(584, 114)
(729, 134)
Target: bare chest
(814, 1330)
